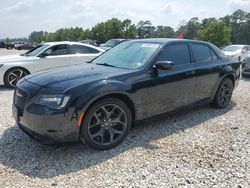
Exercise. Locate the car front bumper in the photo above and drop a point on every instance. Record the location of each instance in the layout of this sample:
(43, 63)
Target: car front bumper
(2, 76)
(43, 125)
(47, 129)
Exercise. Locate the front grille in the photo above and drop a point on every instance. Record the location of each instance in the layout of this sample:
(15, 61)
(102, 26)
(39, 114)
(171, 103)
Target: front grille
(20, 98)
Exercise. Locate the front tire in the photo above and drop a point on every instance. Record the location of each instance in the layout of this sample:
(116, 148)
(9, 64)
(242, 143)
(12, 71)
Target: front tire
(13, 75)
(106, 124)
(224, 94)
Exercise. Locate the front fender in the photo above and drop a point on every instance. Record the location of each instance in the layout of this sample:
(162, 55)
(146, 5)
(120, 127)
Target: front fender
(100, 89)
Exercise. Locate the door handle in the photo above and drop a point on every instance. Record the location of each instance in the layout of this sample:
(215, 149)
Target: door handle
(190, 73)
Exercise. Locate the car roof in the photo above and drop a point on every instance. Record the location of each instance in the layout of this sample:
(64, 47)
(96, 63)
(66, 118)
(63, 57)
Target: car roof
(70, 43)
(119, 39)
(165, 40)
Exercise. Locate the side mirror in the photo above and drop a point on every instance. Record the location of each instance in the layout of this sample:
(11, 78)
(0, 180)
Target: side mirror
(43, 55)
(164, 65)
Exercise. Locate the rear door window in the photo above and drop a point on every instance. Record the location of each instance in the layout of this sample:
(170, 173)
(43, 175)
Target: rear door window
(56, 50)
(80, 49)
(201, 53)
(177, 53)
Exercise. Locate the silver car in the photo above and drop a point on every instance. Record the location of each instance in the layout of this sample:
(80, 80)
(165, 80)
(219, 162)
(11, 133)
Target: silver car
(246, 66)
(45, 56)
(236, 51)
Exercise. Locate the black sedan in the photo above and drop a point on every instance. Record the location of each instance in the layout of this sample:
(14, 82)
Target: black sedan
(98, 102)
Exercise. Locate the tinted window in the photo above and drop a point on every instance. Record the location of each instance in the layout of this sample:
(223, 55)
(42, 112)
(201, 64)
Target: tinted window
(80, 49)
(57, 50)
(201, 53)
(93, 51)
(178, 53)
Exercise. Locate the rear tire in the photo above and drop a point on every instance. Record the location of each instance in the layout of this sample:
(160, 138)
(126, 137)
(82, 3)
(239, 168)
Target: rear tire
(106, 124)
(224, 94)
(13, 75)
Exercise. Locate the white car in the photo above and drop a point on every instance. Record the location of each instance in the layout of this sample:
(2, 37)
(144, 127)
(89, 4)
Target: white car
(45, 56)
(236, 51)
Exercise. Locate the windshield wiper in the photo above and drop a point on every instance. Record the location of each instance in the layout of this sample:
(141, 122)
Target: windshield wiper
(106, 64)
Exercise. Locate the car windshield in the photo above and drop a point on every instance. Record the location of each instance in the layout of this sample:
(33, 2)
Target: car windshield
(129, 55)
(232, 48)
(36, 51)
(112, 43)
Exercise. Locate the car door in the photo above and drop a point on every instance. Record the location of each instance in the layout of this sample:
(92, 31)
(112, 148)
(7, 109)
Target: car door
(55, 56)
(208, 67)
(80, 54)
(170, 89)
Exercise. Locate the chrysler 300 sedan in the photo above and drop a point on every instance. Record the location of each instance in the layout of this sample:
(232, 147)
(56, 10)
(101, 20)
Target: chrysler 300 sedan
(45, 56)
(98, 102)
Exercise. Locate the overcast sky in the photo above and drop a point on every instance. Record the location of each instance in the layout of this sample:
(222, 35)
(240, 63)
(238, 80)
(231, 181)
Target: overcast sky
(18, 18)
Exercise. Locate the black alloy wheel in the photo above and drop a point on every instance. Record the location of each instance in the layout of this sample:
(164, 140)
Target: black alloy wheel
(224, 94)
(12, 76)
(106, 124)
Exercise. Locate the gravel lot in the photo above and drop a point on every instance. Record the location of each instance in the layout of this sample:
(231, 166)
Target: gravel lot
(202, 147)
(4, 51)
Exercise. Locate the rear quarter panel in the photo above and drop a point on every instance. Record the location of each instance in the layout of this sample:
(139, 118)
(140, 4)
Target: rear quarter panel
(230, 68)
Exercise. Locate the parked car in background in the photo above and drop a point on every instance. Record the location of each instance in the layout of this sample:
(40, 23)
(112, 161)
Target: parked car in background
(138, 79)
(25, 47)
(1, 44)
(91, 42)
(44, 56)
(236, 51)
(112, 43)
(9, 46)
(246, 66)
(18, 44)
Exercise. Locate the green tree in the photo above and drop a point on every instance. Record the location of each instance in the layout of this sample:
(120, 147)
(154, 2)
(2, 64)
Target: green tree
(163, 32)
(216, 32)
(129, 29)
(240, 25)
(145, 29)
(36, 36)
(190, 28)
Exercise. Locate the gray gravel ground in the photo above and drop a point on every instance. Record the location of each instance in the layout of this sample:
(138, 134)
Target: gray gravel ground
(4, 51)
(202, 147)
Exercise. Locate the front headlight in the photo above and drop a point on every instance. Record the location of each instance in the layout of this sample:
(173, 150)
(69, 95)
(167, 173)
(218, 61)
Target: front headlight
(53, 101)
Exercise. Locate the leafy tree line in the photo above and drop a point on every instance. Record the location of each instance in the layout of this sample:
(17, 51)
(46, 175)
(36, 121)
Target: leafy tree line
(233, 28)
(113, 28)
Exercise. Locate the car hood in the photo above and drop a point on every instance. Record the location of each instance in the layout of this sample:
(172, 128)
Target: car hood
(70, 76)
(231, 53)
(14, 58)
